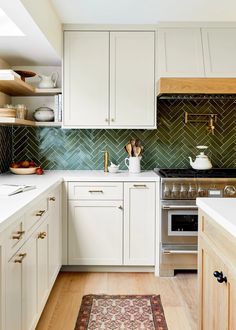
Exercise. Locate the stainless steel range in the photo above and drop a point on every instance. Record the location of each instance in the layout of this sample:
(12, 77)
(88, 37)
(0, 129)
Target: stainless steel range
(179, 213)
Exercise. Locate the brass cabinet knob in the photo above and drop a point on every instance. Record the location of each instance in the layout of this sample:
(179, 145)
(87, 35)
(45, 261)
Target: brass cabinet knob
(52, 199)
(106, 120)
(21, 257)
(18, 234)
(120, 207)
(40, 213)
(42, 235)
(112, 119)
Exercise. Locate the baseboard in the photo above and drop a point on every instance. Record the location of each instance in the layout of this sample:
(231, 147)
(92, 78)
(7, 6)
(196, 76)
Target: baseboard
(109, 269)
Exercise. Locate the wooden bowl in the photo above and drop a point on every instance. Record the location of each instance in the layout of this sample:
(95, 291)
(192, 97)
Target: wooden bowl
(25, 74)
(23, 171)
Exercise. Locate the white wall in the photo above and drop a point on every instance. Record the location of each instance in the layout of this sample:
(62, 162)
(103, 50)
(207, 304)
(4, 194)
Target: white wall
(45, 17)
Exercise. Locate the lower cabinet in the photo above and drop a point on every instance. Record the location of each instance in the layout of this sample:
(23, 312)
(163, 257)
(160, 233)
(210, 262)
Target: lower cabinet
(139, 223)
(95, 232)
(112, 232)
(21, 288)
(217, 276)
(28, 273)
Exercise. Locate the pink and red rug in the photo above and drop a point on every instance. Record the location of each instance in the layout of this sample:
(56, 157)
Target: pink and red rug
(132, 312)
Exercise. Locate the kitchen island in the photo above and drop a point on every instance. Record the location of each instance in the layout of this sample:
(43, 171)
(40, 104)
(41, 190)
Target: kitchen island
(217, 263)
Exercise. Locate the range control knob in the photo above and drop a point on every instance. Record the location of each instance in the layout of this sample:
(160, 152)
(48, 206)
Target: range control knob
(229, 190)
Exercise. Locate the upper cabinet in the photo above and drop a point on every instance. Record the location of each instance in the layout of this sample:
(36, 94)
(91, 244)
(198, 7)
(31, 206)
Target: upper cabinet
(180, 52)
(109, 79)
(219, 45)
(132, 79)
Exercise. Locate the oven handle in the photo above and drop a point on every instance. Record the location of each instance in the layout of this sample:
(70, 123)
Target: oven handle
(177, 207)
(179, 252)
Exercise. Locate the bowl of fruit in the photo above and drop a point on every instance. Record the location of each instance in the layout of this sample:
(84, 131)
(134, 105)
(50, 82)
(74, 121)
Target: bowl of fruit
(25, 167)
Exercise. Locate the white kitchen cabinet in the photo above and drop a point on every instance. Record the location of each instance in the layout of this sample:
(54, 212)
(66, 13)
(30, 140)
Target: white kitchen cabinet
(180, 52)
(42, 264)
(86, 78)
(219, 45)
(109, 79)
(95, 232)
(54, 234)
(21, 288)
(132, 79)
(139, 223)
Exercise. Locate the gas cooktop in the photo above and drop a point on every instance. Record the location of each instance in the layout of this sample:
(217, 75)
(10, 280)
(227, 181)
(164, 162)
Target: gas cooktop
(191, 173)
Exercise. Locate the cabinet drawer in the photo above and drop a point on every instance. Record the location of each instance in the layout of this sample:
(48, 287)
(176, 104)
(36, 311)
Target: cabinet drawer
(15, 236)
(96, 190)
(36, 214)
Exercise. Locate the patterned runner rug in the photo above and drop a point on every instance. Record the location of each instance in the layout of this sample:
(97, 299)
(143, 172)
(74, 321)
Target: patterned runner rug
(133, 312)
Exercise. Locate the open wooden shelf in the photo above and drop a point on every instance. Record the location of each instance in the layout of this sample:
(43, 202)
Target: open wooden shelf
(18, 87)
(23, 122)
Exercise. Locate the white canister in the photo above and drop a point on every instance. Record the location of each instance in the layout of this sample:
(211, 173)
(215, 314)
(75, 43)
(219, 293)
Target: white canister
(133, 164)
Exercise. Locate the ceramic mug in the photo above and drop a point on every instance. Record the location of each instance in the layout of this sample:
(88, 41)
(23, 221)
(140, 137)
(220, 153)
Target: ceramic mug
(133, 164)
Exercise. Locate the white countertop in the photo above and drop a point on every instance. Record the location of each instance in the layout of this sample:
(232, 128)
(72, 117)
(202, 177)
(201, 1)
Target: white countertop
(11, 205)
(222, 210)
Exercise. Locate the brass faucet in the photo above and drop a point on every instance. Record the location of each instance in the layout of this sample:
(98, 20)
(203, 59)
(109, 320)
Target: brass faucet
(106, 160)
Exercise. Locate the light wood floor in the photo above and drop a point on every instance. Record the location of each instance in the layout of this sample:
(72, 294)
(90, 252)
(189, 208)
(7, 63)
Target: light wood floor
(178, 295)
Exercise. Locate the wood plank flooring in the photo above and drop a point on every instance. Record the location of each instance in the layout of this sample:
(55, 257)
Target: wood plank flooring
(178, 295)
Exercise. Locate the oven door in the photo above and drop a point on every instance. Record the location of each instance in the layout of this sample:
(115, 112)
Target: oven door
(182, 222)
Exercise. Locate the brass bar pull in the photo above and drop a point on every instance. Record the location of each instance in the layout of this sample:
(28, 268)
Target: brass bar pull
(96, 191)
(40, 213)
(22, 256)
(18, 235)
(42, 235)
(52, 199)
(140, 186)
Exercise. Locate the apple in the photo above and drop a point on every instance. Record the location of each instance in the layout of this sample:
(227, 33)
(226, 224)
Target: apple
(25, 163)
(14, 165)
(32, 164)
(39, 171)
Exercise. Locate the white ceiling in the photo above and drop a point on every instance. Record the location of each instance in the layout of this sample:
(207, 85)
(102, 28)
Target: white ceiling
(31, 48)
(143, 11)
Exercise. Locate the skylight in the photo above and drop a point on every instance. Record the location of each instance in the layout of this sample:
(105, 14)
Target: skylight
(8, 27)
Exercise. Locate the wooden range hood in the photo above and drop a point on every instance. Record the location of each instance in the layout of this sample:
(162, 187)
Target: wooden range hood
(168, 86)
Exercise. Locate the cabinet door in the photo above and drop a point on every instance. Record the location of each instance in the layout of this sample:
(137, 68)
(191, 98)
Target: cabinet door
(13, 294)
(86, 78)
(29, 284)
(180, 52)
(95, 232)
(132, 79)
(219, 45)
(213, 298)
(232, 298)
(54, 235)
(42, 264)
(139, 223)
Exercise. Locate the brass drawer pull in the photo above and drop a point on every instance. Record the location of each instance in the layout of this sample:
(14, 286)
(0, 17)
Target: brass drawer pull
(40, 213)
(140, 186)
(42, 235)
(18, 235)
(96, 191)
(22, 256)
(52, 199)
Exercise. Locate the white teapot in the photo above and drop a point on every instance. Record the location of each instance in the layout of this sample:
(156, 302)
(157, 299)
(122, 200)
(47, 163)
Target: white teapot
(202, 162)
(48, 81)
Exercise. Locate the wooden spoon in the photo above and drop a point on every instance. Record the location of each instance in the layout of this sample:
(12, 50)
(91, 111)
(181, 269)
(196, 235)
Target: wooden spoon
(132, 142)
(138, 151)
(128, 148)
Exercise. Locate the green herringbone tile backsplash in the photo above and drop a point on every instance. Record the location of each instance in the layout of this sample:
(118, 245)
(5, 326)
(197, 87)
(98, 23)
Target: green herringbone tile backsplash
(5, 148)
(168, 146)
